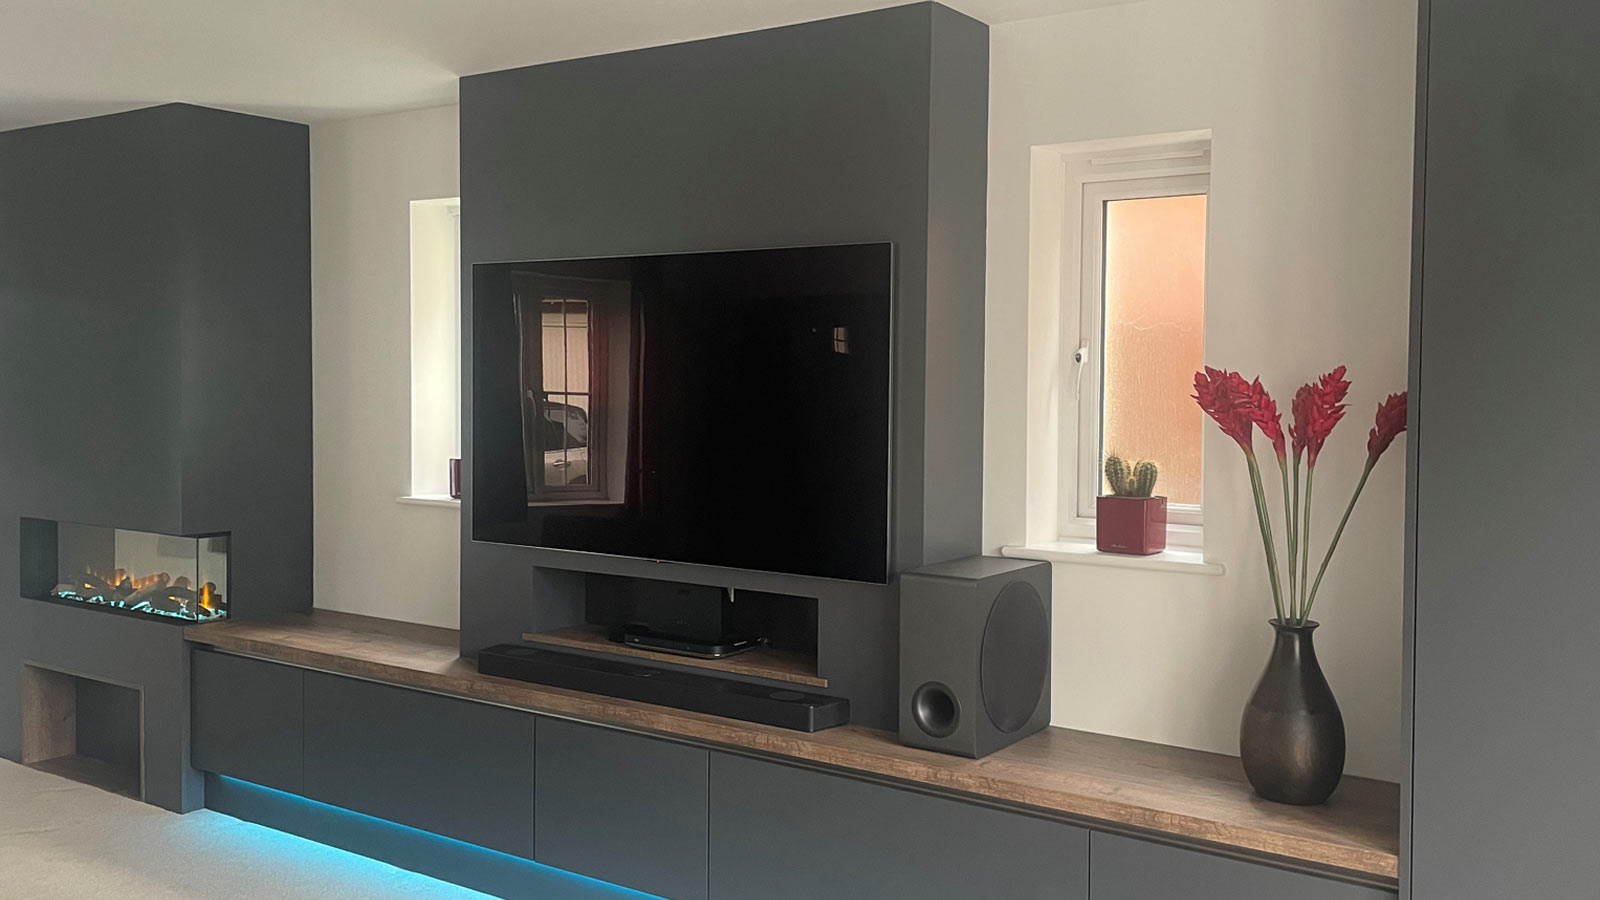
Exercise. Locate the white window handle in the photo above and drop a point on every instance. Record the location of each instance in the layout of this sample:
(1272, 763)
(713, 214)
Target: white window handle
(1080, 358)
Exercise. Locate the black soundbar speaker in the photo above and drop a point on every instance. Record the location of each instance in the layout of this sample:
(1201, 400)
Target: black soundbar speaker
(781, 707)
(974, 654)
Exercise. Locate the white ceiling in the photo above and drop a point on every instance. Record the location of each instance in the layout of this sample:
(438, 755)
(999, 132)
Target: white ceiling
(312, 60)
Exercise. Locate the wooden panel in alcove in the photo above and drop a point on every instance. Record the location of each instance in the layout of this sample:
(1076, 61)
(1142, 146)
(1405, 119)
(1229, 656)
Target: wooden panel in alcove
(49, 715)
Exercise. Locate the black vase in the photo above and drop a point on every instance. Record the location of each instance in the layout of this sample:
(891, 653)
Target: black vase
(1292, 736)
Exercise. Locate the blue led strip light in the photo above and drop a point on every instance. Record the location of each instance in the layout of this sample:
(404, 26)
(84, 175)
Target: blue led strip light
(434, 855)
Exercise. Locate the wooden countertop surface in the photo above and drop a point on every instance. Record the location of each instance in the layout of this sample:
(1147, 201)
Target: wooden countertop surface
(1183, 795)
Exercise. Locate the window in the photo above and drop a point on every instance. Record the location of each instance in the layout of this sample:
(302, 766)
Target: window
(1136, 237)
(566, 327)
(435, 346)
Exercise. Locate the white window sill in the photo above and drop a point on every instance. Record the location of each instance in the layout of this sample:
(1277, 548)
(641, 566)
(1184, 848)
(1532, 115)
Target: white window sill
(429, 500)
(1179, 536)
(1190, 561)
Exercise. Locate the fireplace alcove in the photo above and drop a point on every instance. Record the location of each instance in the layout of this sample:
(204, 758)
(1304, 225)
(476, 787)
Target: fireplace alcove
(85, 729)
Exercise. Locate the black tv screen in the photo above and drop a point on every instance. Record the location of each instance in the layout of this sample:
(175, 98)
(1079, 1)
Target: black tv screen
(727, 409)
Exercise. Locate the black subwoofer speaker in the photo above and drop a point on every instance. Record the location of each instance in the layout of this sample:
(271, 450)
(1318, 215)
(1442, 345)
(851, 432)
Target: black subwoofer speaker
(974, 654)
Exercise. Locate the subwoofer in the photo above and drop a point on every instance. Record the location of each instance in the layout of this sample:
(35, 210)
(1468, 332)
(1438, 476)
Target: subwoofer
(974, 654)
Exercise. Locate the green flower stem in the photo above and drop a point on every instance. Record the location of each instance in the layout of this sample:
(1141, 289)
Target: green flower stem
(1305, 549)
(1345, 520)
(1265, 521)
(1294, 516)
(1289, 531)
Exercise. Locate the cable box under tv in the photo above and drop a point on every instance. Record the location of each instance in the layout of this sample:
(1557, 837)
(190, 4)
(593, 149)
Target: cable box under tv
(779, 707)
(721, 648)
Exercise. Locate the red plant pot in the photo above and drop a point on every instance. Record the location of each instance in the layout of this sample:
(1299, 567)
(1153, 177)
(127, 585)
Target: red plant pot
(1135, 525)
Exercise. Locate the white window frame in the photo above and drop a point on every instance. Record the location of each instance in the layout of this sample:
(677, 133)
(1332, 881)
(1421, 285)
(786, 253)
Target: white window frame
(1092, 180)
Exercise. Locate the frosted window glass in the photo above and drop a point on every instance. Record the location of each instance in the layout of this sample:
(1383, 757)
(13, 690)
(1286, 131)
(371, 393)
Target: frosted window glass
(1155, 262)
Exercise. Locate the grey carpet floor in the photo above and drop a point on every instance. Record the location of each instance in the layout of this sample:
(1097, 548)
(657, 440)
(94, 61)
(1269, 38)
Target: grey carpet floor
(60, 840)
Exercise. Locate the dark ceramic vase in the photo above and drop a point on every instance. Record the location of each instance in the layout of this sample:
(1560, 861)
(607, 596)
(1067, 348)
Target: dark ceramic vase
(1292, 736)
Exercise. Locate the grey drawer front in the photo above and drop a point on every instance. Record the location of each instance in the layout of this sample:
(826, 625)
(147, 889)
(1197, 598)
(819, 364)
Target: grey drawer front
(451, 767)
(1129, 869)
(247, 719)
(623, 808)
(783, 833)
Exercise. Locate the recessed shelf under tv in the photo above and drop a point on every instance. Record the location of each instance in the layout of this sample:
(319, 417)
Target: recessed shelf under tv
(763, 662)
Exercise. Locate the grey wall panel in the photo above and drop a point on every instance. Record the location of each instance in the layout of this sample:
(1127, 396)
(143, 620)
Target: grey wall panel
(754, 141)
(110, 723)
(622, 808)
(149, 655)
(155, 285)
(243, 260)
(248, 720)
(88, 358)
(1123, 868)
(452, 767)
(1506, 433)
(154, 356)
(958, 190)
(1419, 152)
(783, 833)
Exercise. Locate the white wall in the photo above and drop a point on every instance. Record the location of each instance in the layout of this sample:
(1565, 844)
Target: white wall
(1310, 107)
(374, 555)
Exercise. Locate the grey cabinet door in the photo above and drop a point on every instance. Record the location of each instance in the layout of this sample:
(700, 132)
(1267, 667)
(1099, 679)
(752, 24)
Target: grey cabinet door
(1128, 869)
(451, 767)
(1504, 794)
(622, 808)
(246, 719)
(784, 833)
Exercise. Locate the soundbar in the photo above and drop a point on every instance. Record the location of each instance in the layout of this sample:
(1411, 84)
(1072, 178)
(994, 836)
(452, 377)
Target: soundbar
(780, 707)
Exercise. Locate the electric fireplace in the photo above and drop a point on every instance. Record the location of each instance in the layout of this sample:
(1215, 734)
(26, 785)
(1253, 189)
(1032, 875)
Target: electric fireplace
(136, 572)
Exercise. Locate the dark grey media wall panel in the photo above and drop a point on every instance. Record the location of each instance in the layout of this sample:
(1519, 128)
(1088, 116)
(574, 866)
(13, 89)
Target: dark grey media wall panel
(783, 833)
(156, 338)
(626, 809)
(157, 310)
(248, 720)
(1123, 868)
(754, 144)
(452, 767)
(1506, 324)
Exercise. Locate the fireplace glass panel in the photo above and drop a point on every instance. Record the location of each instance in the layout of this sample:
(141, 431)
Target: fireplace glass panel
(143, 572)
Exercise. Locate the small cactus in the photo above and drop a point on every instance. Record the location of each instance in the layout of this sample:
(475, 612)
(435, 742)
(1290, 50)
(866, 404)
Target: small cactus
(1137, 480)
(1144, 478)
(1116, 474)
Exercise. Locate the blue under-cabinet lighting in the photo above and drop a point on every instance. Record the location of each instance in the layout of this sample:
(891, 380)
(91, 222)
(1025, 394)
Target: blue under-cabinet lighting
(433, 855)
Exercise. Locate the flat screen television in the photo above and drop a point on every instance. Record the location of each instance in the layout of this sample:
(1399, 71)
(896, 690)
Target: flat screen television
(726, 409)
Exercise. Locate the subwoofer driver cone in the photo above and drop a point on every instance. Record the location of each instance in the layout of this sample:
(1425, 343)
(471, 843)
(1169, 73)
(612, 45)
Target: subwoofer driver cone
(935, 709)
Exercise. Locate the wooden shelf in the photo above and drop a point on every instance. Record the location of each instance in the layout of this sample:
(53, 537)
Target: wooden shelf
(762, 662)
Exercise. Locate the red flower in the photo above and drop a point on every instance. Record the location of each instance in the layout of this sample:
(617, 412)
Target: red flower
(1391, 421)
(1226, 397)
(1264, 412)
(1317, 408)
